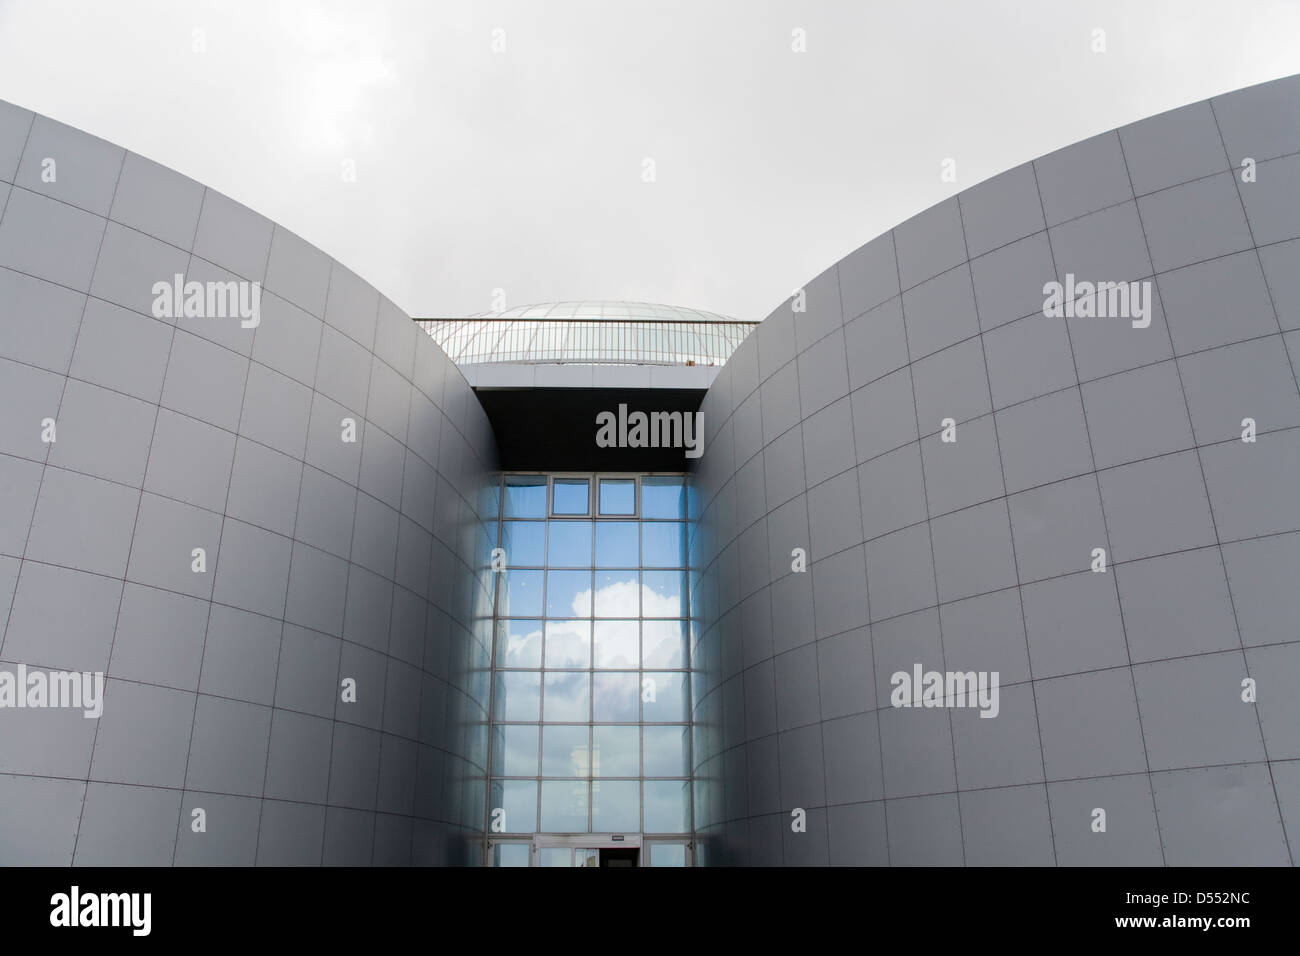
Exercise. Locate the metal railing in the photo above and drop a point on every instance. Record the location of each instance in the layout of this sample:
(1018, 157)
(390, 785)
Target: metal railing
(578, 341)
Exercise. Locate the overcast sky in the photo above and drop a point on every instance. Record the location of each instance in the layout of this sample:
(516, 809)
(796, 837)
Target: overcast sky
(523, 168)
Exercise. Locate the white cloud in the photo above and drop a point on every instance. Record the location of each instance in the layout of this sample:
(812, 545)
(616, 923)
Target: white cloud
(521, 170)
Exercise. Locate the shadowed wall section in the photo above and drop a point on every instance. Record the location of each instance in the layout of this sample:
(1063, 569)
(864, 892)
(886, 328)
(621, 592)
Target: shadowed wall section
(1120, 690)
(326, 560)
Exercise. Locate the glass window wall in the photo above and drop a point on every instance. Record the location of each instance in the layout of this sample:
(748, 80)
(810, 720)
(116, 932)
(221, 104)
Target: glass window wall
(590, 710)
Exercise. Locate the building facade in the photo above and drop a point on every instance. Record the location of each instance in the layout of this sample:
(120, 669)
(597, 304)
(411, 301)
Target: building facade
(958, 466)
(990, 556)
(334, 469)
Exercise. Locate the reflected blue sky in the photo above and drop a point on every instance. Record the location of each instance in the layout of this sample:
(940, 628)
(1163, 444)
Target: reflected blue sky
(568, 545)
(566, 751)
(616, 697)
(591, 689)
(616, 544)
(568, 644)
(614, 752)
(524, 496)
(617, 496)
(568, 696)
(616, 644)
(524, 543)
(571, 496)
(615, 805)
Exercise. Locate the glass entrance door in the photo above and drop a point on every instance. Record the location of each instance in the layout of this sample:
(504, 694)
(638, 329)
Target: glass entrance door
(555, 850)
(586, 849)
(590, 856)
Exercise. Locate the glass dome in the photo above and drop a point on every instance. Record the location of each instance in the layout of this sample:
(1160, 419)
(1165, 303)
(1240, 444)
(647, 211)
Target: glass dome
(591, 333)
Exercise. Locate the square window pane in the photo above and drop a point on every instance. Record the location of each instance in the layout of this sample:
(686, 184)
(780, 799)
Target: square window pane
(666, 751)
(617, 496)
(568, 696)
(616, 698)
(519, 644)
(568, 644)
(667, 854)
(616, 544)
(568, 593)
(524, 543)
(514, 750)
(510, 854)
(518, 798)
(565, 751)
(669, 697)
(663, 496)
(569, 545)
(665, 806)
(564, 807)
(615, 806)
(663, 594)
(663, 544)
(525, 496)
(616, 644)
(523, 594)
(571, 496)
(616, 752)
(663, 643)
(617, 594)
(555, 856)
(586, 857)
(518, 695)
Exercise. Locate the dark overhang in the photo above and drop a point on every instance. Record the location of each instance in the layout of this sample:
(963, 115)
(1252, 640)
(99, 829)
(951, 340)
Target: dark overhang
(555, 429)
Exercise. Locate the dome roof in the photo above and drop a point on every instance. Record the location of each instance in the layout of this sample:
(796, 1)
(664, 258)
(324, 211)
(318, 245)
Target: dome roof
(591, 333)
(607, 310)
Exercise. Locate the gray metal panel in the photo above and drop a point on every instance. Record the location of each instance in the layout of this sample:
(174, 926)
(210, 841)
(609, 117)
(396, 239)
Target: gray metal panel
(1113, 550)
(203, 669)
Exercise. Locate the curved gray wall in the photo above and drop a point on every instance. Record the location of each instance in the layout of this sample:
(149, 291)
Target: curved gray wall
(326, 560)
(1120, 690)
